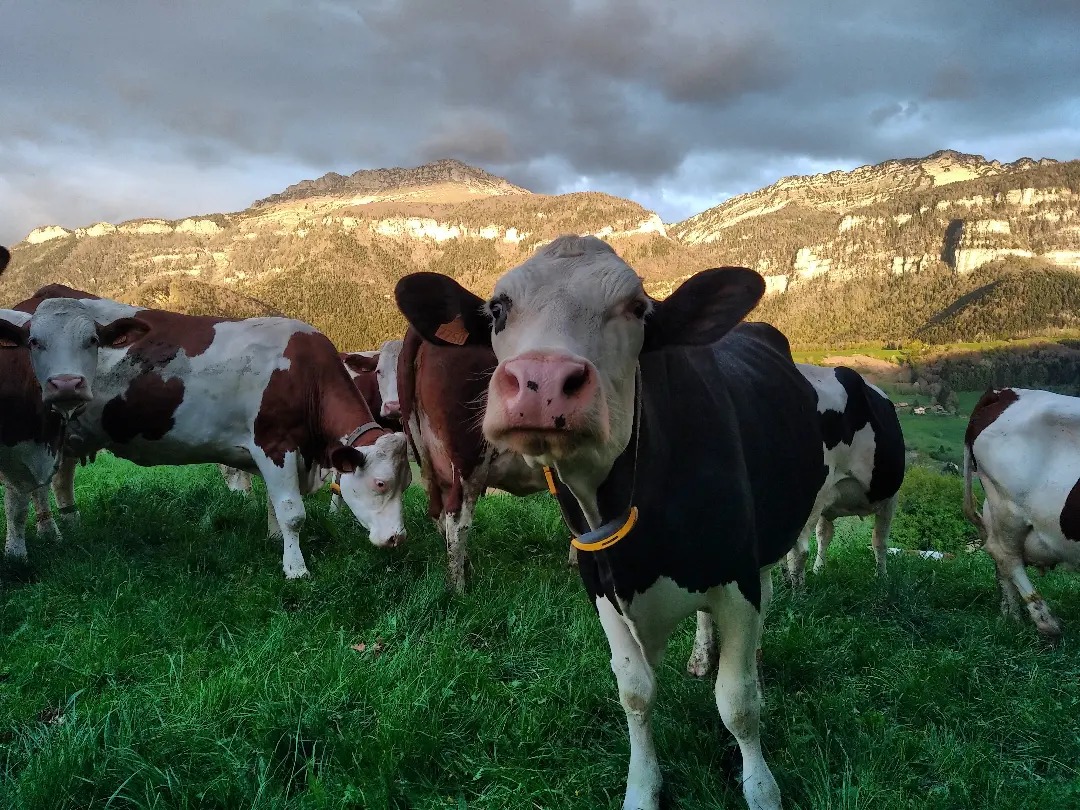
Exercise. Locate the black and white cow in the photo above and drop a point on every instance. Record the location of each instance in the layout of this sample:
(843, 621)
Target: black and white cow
(1024, 447)
(685, 452)
(865, 456)
(864, 449)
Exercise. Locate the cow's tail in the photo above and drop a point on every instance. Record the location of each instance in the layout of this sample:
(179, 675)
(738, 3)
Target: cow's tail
(971, 511)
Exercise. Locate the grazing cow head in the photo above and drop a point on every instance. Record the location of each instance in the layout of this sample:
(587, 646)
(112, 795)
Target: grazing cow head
(373, 480)
(567, 327)
(64, 341)
(386, 372)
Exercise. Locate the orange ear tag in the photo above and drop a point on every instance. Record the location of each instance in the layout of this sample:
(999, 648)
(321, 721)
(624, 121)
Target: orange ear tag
(453, 332)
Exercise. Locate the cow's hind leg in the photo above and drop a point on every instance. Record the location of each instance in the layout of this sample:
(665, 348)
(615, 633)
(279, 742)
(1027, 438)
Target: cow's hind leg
(63, 485)
(16, 508)
(46, 526)
(738, 696)
(703, 656)
(285, 511)
(634, 669)
(883, 516)
(1005, 543)
(456, 530)
(795, 561)
(825, 531)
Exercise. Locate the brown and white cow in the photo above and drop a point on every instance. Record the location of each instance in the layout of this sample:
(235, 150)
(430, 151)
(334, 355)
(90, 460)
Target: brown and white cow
(685, 451)
(264, 395)
(31, 439)
(442, 392)
(372, 377)
(1024, 447)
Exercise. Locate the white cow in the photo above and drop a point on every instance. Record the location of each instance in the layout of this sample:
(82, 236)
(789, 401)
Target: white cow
(1024, 447)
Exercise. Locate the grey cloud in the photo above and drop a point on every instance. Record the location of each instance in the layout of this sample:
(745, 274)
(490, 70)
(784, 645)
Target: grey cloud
(627, 93)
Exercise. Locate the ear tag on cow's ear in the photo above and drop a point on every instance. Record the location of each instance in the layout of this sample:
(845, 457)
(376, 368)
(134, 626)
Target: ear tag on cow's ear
(453, 332)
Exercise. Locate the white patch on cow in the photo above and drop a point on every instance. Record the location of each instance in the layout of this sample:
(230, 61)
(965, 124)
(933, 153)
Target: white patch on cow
(1028, 461)
(638, 638)
(386, 375)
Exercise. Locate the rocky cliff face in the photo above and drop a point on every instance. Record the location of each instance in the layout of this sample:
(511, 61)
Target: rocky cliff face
(350, 238)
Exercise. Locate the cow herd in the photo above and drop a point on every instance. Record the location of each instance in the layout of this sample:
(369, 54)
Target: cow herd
(687, 451)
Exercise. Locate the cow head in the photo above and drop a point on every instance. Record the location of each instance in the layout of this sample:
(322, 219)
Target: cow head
(568, 326)
(373, 480)
(65, 340)
(386, 372)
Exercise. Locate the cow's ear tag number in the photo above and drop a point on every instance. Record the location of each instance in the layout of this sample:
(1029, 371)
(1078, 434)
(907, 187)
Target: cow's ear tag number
(453, 332)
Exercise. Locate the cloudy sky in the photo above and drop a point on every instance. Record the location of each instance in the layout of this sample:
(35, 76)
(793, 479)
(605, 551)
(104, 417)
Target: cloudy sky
(116, 109)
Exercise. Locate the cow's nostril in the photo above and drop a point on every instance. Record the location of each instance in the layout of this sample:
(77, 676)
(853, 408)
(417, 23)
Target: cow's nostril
(575, 381)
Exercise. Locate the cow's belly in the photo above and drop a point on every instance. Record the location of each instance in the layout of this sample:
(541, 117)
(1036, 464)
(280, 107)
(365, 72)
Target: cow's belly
(662, 605)
(438, 451)
(848, 497)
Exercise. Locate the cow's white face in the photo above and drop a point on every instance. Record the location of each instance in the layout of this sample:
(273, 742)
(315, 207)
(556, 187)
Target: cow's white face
(373, 483)
(567, 327)
(386, 373)
(64, 341)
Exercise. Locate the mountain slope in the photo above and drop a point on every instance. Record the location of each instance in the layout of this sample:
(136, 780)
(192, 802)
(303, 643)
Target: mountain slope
(939, 248)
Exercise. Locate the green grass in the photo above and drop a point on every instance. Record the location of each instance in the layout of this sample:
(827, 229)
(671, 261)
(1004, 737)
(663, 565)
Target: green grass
(157, 659)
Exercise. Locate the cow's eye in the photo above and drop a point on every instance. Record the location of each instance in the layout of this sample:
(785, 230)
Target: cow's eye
(639, 308)
(498, 309)
(34, 343)
(93, 341)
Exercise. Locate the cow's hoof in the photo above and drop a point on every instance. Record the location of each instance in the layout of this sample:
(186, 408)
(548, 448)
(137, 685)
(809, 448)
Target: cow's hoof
(17, 569)
(51, 532)
(1050, 633)
(300, 572)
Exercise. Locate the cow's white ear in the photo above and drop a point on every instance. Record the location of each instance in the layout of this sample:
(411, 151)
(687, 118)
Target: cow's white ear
(347, 459)
(13, 336)
(442, 311)
(704, 308)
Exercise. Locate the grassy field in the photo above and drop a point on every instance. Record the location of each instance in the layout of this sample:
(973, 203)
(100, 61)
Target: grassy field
(157, 659)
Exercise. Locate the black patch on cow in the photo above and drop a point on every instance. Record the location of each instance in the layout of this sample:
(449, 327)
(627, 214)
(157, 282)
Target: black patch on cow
(560, 421)
(146, 409)
(865, 406)
(730, 465)
(1070, 514)
(532, 385)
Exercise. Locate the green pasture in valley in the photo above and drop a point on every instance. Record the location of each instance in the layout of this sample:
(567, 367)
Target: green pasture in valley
(156, 658)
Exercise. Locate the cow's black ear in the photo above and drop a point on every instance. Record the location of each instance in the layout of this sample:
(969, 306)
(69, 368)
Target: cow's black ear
(704, 308)
(5, 257)
(14, 336)
(443, 311)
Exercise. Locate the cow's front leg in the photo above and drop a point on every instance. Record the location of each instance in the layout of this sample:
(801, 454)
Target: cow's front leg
(63, 485)
(16, 508)
(738, 696)
(285, 511)
(46, 526)
(637, 691)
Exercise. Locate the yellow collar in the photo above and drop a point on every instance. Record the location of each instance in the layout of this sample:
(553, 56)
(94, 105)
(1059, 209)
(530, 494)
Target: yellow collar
(604, 537)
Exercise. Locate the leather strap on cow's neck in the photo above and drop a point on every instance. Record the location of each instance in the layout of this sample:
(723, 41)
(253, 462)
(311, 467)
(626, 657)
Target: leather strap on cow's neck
(610, 533)
(353, 437)
(350, 441)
